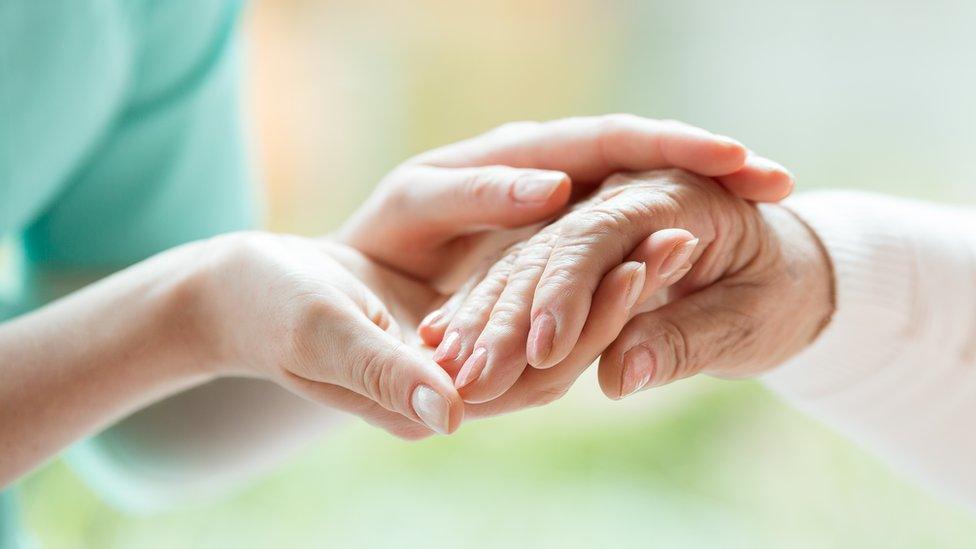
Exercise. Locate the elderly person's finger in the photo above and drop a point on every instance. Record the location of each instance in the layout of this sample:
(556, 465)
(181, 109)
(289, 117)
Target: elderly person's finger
(498, 358)
(618, 297)
(467, 316)
(592, 240)
(711, 329)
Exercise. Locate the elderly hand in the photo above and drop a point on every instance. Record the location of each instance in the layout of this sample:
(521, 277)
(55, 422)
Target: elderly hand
(437, 216)
(563, 296)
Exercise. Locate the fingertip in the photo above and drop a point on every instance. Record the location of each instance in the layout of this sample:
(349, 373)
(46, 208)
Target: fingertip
(609, 375)
(540, 189)
(540, 340)
(760, 180)
(431, 329)
(713, 155)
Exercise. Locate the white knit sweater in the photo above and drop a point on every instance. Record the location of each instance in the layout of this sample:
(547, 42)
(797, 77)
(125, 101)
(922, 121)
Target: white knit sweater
(896, 367)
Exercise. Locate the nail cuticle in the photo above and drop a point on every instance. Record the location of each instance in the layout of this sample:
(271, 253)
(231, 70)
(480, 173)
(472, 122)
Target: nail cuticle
(679, 255)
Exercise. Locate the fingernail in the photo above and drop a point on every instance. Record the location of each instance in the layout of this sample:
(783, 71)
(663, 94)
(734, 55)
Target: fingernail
(536, 186)
(677, 258)
(449, 347)
(770, 165)
(678, 274)
(432, 318)
(472, 368)
(540, 338)
(638, 368)
(636, 284)
(432, 408)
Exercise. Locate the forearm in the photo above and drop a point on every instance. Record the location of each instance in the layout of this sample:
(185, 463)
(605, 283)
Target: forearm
(80, 363)
(896, 368)
(199, 442)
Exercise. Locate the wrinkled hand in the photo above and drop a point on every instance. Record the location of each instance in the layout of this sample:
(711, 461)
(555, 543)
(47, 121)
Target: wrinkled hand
(437, 216)
(564, 295)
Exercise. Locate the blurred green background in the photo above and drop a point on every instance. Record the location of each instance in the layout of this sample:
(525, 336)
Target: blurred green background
(860, 93)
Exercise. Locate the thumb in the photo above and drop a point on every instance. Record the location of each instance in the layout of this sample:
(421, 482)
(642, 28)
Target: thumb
(346, 348)
(399, 378)
(714, 329)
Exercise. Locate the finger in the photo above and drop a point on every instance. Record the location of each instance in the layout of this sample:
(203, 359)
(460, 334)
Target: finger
(434, 326)
(620, 293)
(348, 401)
(455, 201)
(592, 241)
(498, 357)
(711, 329)
(374, 364)
(589, 149)
(761, 180)
(471, 314)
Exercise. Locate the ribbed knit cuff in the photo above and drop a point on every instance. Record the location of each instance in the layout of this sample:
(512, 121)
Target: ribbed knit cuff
(874, 280)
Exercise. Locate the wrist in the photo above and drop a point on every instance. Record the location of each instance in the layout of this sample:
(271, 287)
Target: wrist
(809, 272)
(183, 320)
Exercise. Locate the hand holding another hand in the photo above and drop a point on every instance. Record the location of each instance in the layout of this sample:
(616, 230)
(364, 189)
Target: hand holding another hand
(757, 290)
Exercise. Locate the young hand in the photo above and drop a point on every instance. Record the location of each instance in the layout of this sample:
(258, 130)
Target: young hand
(296, 311)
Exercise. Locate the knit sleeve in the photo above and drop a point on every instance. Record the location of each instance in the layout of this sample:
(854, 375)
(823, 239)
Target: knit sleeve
(896, 367)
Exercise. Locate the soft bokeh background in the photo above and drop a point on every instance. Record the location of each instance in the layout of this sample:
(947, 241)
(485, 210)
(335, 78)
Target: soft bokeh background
(859, 93)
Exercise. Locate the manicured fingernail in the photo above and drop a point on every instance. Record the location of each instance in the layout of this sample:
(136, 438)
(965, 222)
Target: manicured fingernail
(472, 368)
(540, 338)
(636, 284)
(432, 408)
(677, 275)
(449, 347)
(434, 317)
(638, 369)
(536, 186)
(677, 258)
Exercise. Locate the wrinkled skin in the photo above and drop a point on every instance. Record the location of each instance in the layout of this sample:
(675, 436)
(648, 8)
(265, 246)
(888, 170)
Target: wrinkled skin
(757, 291)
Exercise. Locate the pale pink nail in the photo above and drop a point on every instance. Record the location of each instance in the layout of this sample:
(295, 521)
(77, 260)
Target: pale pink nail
(472, 368)
(638, 369)
(432, 408)
(540, 338)
(677, 258)
(432, 318)
(636, 285)
(536, 186)
(449, 348)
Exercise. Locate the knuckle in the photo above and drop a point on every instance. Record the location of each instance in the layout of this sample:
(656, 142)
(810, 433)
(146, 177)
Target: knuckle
(507, 315)
(480, 185)
(377, 378)
(677, 343)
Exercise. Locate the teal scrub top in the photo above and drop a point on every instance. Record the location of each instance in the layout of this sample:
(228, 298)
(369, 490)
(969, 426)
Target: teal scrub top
(121, 135)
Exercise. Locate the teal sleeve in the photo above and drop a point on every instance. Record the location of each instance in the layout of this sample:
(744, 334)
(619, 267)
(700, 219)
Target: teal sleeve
(172, 167)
